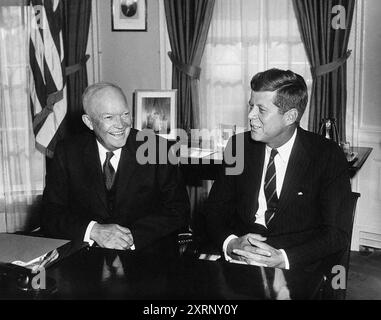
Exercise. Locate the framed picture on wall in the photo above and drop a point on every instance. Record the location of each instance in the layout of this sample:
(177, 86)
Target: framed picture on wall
(156, 110)
(129, 15)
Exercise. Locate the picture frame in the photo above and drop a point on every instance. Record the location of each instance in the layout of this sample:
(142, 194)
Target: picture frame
(129, 15)
(156, 110)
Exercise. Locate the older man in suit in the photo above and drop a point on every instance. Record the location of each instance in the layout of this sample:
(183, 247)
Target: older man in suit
(286, 209)
(97, 190)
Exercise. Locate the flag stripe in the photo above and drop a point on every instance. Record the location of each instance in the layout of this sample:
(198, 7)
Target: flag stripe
(48, 92)
(35, 102)
(36, 81)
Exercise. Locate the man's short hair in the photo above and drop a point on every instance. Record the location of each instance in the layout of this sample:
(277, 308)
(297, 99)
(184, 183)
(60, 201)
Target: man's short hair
(290, 87)
(93, 89)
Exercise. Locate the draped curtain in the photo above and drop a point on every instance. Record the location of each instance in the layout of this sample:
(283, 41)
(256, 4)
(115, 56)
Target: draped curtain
(325, 29)
(21, 165)
(246, 37)
(76, 30)
(188, 24)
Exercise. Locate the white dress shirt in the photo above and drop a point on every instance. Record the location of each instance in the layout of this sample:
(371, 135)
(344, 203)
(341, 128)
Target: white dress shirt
(281, 162)
(114, 162)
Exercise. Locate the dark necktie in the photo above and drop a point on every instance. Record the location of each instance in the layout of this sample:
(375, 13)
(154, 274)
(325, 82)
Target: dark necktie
(108, 171)
(270, 188)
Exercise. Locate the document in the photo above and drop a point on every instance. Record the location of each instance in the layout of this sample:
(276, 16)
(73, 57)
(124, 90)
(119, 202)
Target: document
(210, 257)
(27, 251)
(200, 153)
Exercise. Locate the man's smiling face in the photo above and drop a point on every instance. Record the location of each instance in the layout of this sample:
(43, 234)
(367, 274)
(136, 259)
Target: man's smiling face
(110, 118)
(267, 123)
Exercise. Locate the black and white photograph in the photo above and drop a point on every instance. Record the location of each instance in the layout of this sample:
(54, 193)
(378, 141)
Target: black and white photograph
(190, 157)
(156, 110)
(129, 15)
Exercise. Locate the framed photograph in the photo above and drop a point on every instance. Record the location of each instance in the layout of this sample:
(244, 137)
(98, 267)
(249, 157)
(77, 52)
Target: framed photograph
(129, 15)
(156, 110)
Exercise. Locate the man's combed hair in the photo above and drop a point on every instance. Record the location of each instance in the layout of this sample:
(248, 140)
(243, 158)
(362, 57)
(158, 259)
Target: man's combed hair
(291, 89)
(93, 89)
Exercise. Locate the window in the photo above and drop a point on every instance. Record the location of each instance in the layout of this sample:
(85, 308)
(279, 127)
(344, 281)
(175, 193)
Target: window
(246, 37)
(21, 165)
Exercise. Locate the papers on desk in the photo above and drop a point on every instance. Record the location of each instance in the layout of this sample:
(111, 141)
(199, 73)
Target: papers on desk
(252, 263)
(200, 153)
(352, 156)
(215, 257)
(29, 252)
(209, 257)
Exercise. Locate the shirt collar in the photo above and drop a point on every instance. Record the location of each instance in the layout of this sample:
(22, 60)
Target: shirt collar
(284, 151)
(102, 152)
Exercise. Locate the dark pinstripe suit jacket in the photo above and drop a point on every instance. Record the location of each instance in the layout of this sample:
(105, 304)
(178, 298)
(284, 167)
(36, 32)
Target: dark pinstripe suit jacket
(151, 200)
(312, 221)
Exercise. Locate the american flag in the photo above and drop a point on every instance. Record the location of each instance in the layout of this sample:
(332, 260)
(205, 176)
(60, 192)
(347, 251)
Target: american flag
(47, 73)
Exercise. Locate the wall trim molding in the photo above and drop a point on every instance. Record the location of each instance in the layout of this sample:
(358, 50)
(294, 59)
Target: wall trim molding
(357, 67)
(3, 222)
(165, 47)
(369, 237)
(370, 130)
(370, 135)
(355, 98)
(93, 46)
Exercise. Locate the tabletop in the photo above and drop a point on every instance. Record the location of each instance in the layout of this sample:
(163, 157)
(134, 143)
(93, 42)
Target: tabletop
(162, 273)
(362, 155)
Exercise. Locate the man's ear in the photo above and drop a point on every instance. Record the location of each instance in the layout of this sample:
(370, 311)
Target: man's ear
(87, 121)
(291, 116)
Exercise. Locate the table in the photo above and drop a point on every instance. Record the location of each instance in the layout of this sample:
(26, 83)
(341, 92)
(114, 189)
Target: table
(162, 273)
(363, 154)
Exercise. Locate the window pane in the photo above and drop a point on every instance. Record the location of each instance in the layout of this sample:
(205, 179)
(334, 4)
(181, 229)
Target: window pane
(246, 37)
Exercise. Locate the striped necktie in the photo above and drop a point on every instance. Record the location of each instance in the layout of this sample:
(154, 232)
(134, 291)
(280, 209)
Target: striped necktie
(270, 188)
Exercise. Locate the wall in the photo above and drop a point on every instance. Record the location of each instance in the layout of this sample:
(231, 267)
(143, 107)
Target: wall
(364, 101)
(130, 59)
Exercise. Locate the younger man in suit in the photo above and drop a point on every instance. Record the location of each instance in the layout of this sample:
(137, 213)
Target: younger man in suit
(97, 190)
(286, 209)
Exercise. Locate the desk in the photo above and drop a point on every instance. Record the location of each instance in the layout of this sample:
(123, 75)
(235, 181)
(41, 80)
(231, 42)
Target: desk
(95, 273)
(206, 168)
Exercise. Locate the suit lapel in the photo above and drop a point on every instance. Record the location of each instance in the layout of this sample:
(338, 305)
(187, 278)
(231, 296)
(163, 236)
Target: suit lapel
(296, 169)
(94, 170)
(256, 158)
(126, 167)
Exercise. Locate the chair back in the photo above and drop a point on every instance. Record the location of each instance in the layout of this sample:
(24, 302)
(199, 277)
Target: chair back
(343, 258)
(352, 206)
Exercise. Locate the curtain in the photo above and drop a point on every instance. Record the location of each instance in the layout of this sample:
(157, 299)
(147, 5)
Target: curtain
(76, 30)
(188, 23)
(246, 37)
(326, 41)
(21, 165)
